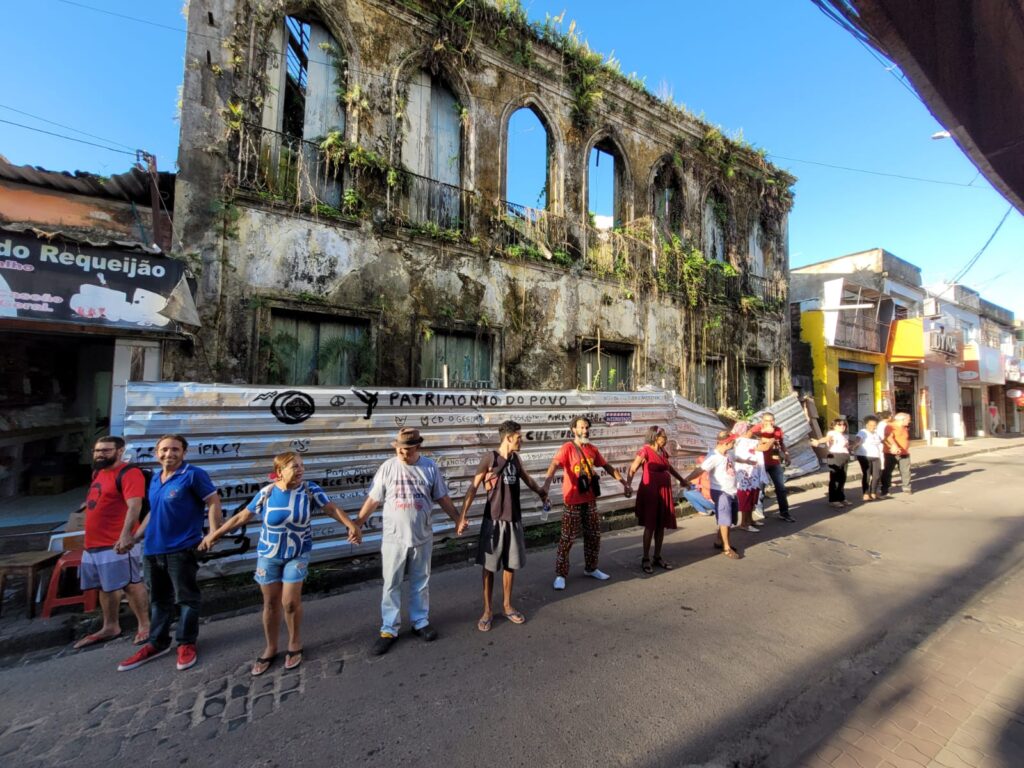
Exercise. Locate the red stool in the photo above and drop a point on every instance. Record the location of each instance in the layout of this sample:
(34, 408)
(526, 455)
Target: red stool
(86, 599)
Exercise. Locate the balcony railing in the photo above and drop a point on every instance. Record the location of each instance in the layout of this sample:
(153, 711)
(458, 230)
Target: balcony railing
(285, 168)
(531, 232)
(767, 290)
(432, 203)
(859, 332)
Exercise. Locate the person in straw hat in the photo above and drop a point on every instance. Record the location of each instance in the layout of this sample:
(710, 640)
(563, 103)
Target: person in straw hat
(407, 485)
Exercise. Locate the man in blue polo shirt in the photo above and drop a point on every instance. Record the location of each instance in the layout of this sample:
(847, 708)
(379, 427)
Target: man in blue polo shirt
(180, 497)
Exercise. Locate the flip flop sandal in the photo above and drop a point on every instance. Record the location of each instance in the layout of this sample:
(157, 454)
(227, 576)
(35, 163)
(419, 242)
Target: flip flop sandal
(140, 638)
(289, 655)
(732, 554)
(484, 625)
(645, 565)
(268, 661)
(662, 564)
(515, 617)
(94, 639)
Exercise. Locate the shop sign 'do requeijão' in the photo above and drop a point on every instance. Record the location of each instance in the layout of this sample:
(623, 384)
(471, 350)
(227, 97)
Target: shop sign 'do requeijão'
(65, 282)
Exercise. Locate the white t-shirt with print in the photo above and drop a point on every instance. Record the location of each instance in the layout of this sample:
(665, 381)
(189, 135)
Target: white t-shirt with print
(721, 470)
(408, 492)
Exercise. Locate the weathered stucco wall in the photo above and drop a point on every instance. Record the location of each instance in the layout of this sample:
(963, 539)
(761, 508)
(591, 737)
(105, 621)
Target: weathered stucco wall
(252, 254)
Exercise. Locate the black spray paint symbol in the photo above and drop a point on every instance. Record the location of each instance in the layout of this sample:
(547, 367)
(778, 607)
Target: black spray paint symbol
(370, 398)
(292, 407)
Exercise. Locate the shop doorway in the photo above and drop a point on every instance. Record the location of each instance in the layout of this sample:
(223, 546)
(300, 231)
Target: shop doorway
(54, 402)
(904, 395)
(856, 392)
(970, 409)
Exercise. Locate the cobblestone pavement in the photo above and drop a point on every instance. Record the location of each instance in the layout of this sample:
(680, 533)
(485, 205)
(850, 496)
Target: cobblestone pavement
(183, 708)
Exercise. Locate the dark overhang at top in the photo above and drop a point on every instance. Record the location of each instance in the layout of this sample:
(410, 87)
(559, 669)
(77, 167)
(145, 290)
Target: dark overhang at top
(966, 60)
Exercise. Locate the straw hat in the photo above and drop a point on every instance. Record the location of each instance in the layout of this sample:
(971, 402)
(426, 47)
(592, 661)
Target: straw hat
(407, 438)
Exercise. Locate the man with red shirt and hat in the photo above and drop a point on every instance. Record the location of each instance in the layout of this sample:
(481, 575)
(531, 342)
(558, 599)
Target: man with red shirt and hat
(111, 516)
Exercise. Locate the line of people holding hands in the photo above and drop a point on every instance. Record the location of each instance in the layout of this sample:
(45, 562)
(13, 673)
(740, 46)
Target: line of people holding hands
(164, 548)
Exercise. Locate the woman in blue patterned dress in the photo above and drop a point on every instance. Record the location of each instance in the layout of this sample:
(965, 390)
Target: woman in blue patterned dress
(286, 507)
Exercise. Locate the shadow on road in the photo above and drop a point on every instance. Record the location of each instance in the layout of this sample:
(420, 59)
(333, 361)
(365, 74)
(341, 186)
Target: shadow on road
(797, 716)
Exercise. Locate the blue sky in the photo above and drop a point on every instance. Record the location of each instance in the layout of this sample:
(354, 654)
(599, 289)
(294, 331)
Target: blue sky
(780, 72)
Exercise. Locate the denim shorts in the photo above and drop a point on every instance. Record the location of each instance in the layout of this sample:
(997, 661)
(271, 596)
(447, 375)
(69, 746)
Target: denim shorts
(275, 570)
(726, 506)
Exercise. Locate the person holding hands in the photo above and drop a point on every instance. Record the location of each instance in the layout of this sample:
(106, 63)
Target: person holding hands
(578, 460)
(655, 508)
(286, 507)
(502, 545)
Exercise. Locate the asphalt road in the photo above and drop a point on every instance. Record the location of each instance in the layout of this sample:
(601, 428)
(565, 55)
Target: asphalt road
(718, 662)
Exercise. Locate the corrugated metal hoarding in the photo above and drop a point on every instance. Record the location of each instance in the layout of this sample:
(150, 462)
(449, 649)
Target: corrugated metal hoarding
(345, 434)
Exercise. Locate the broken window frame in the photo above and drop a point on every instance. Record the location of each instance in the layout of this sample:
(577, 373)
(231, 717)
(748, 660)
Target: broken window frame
(710, 225)
(607, 145)
(282, 156)
(484, 348)
(607, 362)
(707, 383)
(669, 215)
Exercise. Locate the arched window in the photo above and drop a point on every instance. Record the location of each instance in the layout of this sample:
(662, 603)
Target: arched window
(756, 264)
(305, 71)
(667, 199)
(604, 185)
(432, 151)
(716, 216)
(527, 161)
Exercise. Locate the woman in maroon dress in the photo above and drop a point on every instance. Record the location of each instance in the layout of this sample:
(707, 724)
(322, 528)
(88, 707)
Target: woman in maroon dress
(655, 509)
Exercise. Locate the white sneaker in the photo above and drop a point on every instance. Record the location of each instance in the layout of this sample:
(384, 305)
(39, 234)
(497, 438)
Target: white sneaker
(597, 574)
(559, 582)
(751, 528)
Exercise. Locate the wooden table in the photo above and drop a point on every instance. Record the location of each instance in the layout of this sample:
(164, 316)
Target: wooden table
(27, 565)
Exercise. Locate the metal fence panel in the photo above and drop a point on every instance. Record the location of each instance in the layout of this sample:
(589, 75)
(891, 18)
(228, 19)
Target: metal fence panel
(344, 434)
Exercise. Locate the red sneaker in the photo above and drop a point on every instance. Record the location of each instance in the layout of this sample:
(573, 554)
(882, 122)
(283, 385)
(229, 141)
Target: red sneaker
(148, 652)
(187, 656)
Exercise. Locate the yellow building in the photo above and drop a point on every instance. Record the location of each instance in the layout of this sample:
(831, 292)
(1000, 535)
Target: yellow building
(849, 375)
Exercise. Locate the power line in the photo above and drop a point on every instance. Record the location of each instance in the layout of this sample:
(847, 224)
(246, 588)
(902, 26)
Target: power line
(974, 259)
(61, 125)
(121, 15)
(384, 78)
(873, 173)
(69, 138)
(868, 41)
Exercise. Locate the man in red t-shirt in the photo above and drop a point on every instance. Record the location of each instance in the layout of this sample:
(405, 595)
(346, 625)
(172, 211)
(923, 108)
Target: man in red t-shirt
(771, 444)
(579, 458)
(111, 517)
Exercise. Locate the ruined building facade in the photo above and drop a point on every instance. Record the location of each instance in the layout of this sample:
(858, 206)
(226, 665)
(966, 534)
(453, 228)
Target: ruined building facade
(342, 201)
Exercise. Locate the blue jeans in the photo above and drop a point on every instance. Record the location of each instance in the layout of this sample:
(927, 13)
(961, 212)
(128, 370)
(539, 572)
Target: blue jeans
(778, 476)
(393, 561)
(698, 502)
(171, 580)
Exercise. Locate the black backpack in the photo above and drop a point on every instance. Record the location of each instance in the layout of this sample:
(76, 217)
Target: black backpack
(147, 477)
